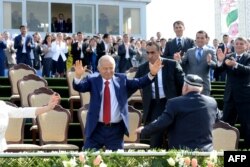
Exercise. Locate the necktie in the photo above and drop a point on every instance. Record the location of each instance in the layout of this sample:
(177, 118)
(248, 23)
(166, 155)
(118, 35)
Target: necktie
(106, 104)
(237, 59)
(157, 95)
(179, 47)
(199, 55)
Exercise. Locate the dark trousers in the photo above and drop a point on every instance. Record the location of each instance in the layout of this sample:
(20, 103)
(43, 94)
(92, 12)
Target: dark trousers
(110, 137)
(24, 58)
(47, 67)
(156, 109)
(239, 111)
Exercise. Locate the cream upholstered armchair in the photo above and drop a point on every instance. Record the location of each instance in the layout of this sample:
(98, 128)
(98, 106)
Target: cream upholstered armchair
(53, 130)
(133, 141)
(25, 86)
(225, 136)
(16, 73)
(15, 135)
(135, 97)
(74, 96)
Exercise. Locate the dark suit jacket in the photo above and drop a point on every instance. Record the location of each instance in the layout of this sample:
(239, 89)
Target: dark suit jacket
(172, 78)
(58, 26)
(77, 52)
(122, 85)
(19, 47)
(238, 79)
(189, 120)
(171, 47)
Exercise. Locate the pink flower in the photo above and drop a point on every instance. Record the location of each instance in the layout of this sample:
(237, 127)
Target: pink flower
(233, 30)
(82, 158)
(194, 162)
(187, 161)
(97, 161)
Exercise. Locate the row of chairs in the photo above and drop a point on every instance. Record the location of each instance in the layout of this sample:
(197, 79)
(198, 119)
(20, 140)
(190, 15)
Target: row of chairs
(24, 90)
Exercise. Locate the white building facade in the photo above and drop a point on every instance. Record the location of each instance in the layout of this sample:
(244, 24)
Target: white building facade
(88, 16)
(232, 17)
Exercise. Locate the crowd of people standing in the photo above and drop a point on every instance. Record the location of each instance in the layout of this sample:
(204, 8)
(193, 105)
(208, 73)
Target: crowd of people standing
(228, 60)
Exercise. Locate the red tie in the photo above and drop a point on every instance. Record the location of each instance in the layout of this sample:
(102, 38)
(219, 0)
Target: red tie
(106, 104)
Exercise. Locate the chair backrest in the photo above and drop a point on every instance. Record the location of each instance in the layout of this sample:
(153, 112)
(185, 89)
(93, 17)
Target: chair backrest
(16, 73)
(15, 130)
(53, 126)
(70, 76)
(40, 97)
(225, 136)
(130, 73)
(27, 85)
(82, 116)
(85, 99)
(134, 118)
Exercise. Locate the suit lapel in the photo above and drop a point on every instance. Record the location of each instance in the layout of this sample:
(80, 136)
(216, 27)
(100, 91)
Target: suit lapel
(99, 85)
(116, 87)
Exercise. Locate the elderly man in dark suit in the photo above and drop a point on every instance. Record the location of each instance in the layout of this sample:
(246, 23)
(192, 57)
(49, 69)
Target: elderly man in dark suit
(188, 118)
(179, 44)
(167, 84)
(237, 91)
(107, 119)
(23, 43)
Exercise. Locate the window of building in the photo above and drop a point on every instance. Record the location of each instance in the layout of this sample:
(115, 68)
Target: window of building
(131, 21)
(61, 20)
(85, 18)
(12, 12)
(37, 16)
(108, 19)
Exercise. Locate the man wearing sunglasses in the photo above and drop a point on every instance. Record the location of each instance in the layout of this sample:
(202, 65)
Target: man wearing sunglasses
(167, 84)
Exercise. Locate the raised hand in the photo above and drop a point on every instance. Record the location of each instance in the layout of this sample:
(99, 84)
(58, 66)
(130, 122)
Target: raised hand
(220, 55)
(79, 69)
(154, 68)
(177, 56)
(209, 58)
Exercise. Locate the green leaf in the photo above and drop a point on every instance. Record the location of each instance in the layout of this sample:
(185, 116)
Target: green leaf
(232, 16)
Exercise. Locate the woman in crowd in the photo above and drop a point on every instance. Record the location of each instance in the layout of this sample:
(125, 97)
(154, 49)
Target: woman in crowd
(47, 59)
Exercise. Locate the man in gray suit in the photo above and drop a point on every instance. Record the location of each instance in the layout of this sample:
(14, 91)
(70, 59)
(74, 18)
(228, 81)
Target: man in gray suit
(198, 60)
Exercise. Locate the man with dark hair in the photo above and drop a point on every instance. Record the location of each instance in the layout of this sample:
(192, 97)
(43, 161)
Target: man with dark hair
(167, 84)
(189, 118)
(179, 44)
(79, 48)
(23, 44)
(198, 60)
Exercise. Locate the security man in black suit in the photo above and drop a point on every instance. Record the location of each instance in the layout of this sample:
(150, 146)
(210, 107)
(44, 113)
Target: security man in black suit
(188, 118)
(167, 84)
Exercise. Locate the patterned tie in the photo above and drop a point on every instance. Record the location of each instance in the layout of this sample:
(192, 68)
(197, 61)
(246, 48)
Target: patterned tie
(179, 46)
(106, 104)
(237, 59)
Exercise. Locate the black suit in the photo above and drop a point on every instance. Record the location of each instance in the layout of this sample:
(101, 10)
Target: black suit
(171, 47)
(237, 95)
(76, 52)
(172, 81)
(125, 63)
(189, 120)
